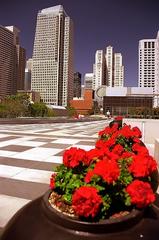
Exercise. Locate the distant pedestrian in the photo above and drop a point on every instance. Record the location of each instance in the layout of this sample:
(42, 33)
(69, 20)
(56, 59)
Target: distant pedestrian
(108, 114)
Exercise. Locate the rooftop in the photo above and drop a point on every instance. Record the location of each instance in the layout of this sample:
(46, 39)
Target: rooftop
(53, 10)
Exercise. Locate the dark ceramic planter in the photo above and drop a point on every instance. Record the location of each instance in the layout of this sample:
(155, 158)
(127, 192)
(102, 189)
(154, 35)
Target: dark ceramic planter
(39, 221)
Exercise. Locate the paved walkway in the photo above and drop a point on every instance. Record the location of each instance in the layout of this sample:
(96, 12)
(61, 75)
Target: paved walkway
(28, 155)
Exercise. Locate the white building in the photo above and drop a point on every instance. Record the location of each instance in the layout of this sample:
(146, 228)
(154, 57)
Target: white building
(148, 74)
(114, 68)
(99, 69)
(52, 73)
(109, 65)
(28, 72)
(118, 71)
(88, 80)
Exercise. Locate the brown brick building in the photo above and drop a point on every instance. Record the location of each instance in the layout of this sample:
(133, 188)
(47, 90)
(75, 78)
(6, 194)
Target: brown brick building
(12, 61)
(83, 105)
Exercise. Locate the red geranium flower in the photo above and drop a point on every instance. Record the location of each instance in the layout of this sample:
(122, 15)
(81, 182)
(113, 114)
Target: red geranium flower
(142, 165)
(138, 148)
(86, 201)
(137, 133)
(99, 144)
(140, 193)
(118, 118)
(127, 155)
(107, 169)
(89, 176)
(111, 155)
(105, 131)
(118, 149)
(136, 140)
(94, 154)
(73, 157)
(52, 181)
(109, 130)
(126, 131)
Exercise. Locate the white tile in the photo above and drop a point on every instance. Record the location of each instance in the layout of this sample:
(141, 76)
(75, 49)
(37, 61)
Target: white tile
(10, 142)
(4, 153)
(9, 171)
(4, 135)
(9, 206)
(43, 129)
(33, 175)
(85, 147)
(37, 154)
(30, 143)
(54, 159)
(66, 141)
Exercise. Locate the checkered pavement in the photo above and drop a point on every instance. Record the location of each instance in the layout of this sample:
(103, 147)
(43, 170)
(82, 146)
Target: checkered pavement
(28, 155)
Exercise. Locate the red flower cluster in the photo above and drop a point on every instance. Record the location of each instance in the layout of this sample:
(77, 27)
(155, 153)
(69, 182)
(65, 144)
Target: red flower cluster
(108, 130)
(118, 159)
(118, 149)
(119, 118)
(142, 165)
(102, 144)
(141, 193)
(107, 169)
(86, 201)
(137, 132)
(140, 149)
(94, 154)
(52, 181)
(73, 157)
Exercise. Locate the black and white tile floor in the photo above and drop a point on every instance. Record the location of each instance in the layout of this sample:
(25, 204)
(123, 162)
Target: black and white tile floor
(29, 154)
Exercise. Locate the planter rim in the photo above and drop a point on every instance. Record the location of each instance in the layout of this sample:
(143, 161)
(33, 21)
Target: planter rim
(103, 226)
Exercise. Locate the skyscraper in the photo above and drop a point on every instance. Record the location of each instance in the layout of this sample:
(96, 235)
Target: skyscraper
(118, 71)
(108, 69)
(20, 58)
(148, 74)
(77, 85)
(88, 80)
(114, 68)
(28, 72)
(12, 61)
(109, 65)
(52, 73)
(99, 70)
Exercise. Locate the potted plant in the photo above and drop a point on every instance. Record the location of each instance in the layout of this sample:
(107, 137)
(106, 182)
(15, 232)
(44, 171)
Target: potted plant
(107, 181)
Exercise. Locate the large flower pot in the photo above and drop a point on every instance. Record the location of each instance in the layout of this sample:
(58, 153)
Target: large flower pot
(39, 221)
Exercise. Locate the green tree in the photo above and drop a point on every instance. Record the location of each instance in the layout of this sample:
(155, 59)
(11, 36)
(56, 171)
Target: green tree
(38, 109)
(71, 111)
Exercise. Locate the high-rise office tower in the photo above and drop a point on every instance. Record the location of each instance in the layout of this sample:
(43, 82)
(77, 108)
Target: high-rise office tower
(99, 70)
(28, 71)
(88, 80)
(118, 71)
(52, 73)
(114, 68)
(21, 58)
(109, 65)
(12, 61)
(77, 85)
(148, 74)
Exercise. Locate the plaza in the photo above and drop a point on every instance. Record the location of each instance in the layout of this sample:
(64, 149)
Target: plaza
(29, 154)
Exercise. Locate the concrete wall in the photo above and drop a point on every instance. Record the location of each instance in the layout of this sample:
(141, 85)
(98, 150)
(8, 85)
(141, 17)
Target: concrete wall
(149, 128)
(156, 151)
(150, 134)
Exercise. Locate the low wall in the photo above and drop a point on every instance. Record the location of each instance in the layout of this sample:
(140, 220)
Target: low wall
(156, 151)
(149, 128)
(150, 133)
